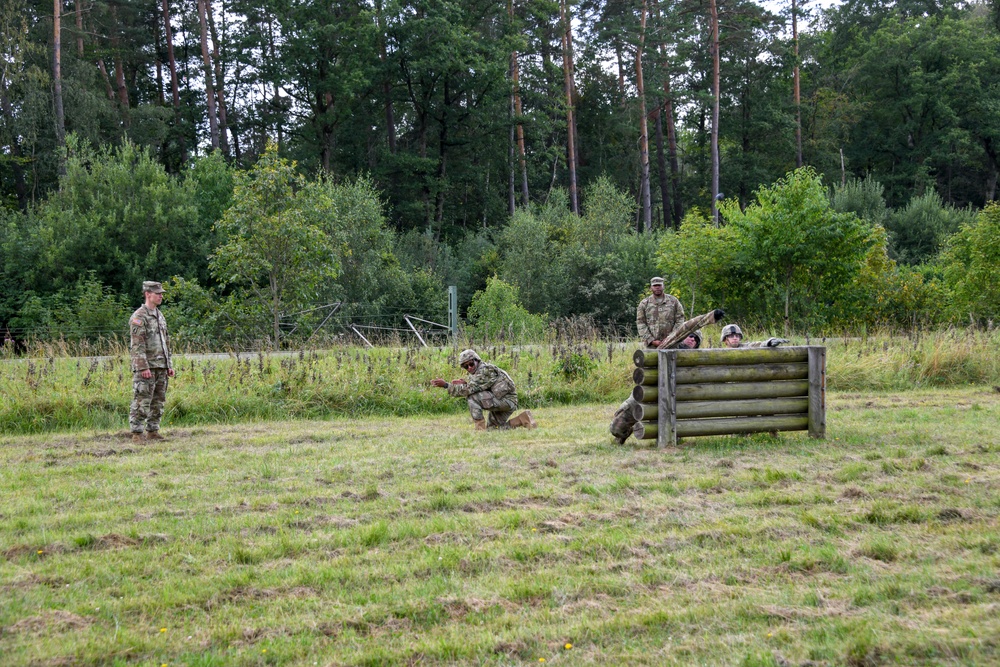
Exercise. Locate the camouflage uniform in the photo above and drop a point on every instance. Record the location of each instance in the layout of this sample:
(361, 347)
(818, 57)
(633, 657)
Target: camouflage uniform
(150, 349)
(624, 420)
(657, 318)
(488, 389)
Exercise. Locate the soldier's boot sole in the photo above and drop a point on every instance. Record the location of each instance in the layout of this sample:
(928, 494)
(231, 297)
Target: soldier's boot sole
(523, 420)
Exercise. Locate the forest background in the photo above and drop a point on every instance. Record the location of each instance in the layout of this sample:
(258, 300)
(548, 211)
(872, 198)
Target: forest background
(809, 170)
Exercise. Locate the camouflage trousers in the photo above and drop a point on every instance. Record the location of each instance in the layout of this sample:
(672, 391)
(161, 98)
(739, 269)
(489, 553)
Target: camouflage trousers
(499, 409)
(623, 421)
(148, 397)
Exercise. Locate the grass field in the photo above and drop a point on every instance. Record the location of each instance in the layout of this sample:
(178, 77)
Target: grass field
(419, 541)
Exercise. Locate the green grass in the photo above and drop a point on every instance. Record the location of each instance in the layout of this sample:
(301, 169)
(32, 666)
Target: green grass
(56, 393)
(419, 541)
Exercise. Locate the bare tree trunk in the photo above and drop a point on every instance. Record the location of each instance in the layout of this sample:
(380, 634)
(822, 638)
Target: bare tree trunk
(647, 219)
(57, 76)
(512, 142)
(161, 100)
(714, 10)
(621, 73)
(567, 31)
(277, 90)
(168, 37)
(795, 79)
(661, 165)
(220, 88)
(517, 112)
(390, 119)
(213, 120)
(78, 7)
(120, 86)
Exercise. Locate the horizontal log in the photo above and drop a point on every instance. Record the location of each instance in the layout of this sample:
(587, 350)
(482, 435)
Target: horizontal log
(748, 408)
(645, 359)
(646, 376)
(715, 391)
(739, 425)
(644, 394)
(645, 412)
(747, 373)
(645, 430)
(734, 357)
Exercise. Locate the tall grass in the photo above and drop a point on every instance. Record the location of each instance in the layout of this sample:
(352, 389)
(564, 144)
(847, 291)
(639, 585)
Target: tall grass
(52, 392)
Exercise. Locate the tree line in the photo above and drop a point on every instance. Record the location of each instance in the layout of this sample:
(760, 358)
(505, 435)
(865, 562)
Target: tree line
(469, 137)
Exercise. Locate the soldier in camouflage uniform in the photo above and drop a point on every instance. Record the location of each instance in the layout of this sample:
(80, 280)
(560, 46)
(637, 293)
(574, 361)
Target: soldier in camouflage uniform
(151, 368)
(732, 337)
(685, 336)
(488, 389)
(658, 314)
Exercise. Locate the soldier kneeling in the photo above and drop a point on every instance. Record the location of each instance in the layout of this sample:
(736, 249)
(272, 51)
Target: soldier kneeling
(488, 389)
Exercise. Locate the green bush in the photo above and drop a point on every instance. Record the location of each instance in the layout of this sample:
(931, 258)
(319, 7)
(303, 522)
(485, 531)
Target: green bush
(496, 313)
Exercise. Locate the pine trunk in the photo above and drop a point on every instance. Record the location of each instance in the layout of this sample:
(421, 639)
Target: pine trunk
(795, 79)
(567, 32)
(213, 119)
(220, 88)
(57, 74)
(647, 220)
(713, 8)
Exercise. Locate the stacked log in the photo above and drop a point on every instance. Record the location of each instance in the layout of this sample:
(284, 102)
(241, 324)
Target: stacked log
(684, 393)
(646, 394)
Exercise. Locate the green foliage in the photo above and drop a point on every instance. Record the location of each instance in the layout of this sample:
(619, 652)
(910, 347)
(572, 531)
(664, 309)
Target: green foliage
(574, 365)
(86, 311)
(697, 262)
(971, 264)
(917, 231)
(796, 257)
(496, 313)
(277, 252)
(863, 197)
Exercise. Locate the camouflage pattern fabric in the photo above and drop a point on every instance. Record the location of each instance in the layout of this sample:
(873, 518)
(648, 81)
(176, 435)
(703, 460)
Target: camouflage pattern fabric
(490, 390)
(148, 397)
(657, 318)
(685, 329)
(624, 420)
(150, 351)
(150, 345)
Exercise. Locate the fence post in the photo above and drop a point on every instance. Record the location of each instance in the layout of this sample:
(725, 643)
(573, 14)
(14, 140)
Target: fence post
(453, 310)
(817, 391)
(666, 414)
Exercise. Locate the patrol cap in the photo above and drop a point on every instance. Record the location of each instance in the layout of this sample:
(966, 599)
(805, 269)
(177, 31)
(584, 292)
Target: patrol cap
(655, 281)
(466, 356)
(152, 286)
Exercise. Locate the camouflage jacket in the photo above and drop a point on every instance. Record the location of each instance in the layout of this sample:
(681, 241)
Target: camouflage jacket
(687, 328)
(770, 342)
(486, 378)
(150, 345)
(657, 318)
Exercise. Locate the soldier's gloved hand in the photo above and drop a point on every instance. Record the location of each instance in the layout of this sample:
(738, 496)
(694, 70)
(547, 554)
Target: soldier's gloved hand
(775, 342)
(719, 314)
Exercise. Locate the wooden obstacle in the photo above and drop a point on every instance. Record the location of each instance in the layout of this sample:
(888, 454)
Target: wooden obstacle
(687, 393)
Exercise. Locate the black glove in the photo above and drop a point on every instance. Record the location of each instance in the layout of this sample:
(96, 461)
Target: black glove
(775, 342)
(719, 314)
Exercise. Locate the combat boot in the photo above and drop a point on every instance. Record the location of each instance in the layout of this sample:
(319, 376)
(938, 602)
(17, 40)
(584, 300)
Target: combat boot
(154, 435)
(138, 439)
(480, 424)
(523, 420)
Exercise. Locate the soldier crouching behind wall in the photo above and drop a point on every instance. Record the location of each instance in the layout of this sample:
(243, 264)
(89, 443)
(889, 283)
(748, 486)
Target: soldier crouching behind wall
(488, 389)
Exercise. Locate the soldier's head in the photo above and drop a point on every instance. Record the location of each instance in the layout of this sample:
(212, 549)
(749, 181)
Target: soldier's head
(732, 335)
(656, 284)
(469, 360)
(152, 291)
(692, 342)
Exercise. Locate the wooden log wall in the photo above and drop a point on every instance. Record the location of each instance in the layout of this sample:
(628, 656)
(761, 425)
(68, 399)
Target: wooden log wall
(687, 393)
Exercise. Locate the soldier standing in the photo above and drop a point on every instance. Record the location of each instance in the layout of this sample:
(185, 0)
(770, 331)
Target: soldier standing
(488, 389)
(658, 314)
(150, 348)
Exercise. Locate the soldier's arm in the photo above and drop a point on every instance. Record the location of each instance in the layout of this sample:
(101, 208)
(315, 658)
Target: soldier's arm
(137, 344)
(482, 380)
(640, 323)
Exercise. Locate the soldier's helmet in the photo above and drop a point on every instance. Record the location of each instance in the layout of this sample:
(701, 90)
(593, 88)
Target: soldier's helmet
(731, 329)
(466, 356)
